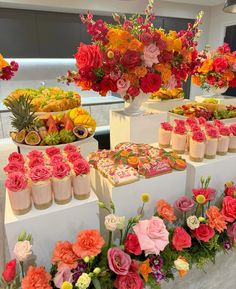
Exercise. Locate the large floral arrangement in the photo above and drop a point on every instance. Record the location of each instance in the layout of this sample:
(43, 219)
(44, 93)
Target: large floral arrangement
(131, 56)
(7, 70)
(147, 252)
(216, 68)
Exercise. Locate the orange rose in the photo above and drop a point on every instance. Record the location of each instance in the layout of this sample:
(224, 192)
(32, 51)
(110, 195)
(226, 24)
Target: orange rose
(140, 71)
(196, 80)
(216, 219)
(119, 39)
(85, 85)
(35, 278)
(89, 243)
(64, 255)
(228, 75)
(165, 210)
(206, 66)
(177, 45)
(136, 45)
(145, 269)
(134, 81)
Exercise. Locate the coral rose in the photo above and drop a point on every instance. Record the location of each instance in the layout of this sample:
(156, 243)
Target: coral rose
(151, 82)
(88, 243)
(13, 167)
(131, 280)
(36, 278)
(119, 262)
(216, 219)
(229, 209)
(132, 245)
(203, 233)
(16, 182)
(52, 151)
(152, 235)
(88, 56)
(181, 239)
(63, 255)
(165, 210)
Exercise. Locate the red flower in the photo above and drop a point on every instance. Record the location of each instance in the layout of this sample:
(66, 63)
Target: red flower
(220, 64)
(181, 239)
(211, 79)
(208, 193)
(229, 209)
(130, 280)
(223, 48)
(146, 38)
(132, 244)
(9, 273)
(232, 82)
(151, 82)
(88, 56)
(203, 233)
(131, 59)
(133, 91)
(107, 84)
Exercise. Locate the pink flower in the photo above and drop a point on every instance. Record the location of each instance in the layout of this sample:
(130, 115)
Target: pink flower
(63, 274)
(131, 280)
(179, 122)
(152, 235)
(233, 129)
(218, 123)
(35, 154)
(181, 239)
(122, 85)
(55, 159)
(224, 130)
(81, 167)
(166, 126)
(69, 148)
(52, 151)
(179, 129)
(201, 120)
(119, 262)
(16, 182)
(146, 38)
(171, 83)
(212, 132)
(150, 55)
(36, 161)
(199, 136)
(60, 170)
(16, 157)
(208, 193)
(40, 173)
(231, 232)
(195, 127)
(74, 156)
(184, 204)
(14, 167)
(192, 121)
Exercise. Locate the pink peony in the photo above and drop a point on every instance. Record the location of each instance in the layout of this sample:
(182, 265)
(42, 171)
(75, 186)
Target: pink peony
(63, 274)
(36, 161)
(231, 232)
(122, 86)
(40, 173)
(81, 167)
(35, 154)
(152, 235)
(52, 151)
(16, 157)
(150, 55)
(16, 182)
(184, 204)
(60, 170)
(166, 126)
(119, 262)
(14, 167)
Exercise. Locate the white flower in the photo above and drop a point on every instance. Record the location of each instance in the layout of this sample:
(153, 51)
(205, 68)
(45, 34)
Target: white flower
(111, 222)
(22, 250)
(84, 281)
(121, 223)
(193, 222)
(181, 264)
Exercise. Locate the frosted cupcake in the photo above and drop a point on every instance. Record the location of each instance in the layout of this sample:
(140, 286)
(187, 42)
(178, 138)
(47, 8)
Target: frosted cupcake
(197, 146)
(164, 135)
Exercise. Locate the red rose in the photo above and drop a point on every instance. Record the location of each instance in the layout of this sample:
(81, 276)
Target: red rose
(211, 79)
(133, 91)
(220, 64)
(9, 273)
(131, 59)
(151, 82)
(181, 239)
(132, 245)
(232, 82)
(229, 209)
(203, 233)
(130, 280)
(146, 38)
(107, 84)
(88, 56)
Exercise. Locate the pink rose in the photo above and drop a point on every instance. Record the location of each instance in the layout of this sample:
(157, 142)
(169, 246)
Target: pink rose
(14, 167)
(233, 129)
(171, 83)
(199, 136)
(63, 274)
(150, 54)
(192, 121)
(37, 161)
(152, 235)
(131, 280)
(231, 232)
(122, 85)
(35, 154)
(60, 170)
(218, 123)
(212, 132)
(119, 262)
(52, 151)
(69, 148)
(81, 167)
(74, 156)
(181, 239)
(224, 130)
(184, 204)
(16, 182)
(16, 157)
(179, 129)
(201, 120)
(195, 127)
(40, 173)
(229, 209)
(166, 126)
(55, 159)
(179, 122)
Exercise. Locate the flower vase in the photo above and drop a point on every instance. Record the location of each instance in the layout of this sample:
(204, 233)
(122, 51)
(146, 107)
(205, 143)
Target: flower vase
(133, 106)
(196, 150)
(81, 186)
(42, 194)
(223, 145)
(211, 148)
(218, 91)
(20, 201)
(62, 190)
(232, 144)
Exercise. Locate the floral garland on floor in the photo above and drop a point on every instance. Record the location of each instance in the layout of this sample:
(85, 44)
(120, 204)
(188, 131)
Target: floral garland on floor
(148, 251)
(7, 70)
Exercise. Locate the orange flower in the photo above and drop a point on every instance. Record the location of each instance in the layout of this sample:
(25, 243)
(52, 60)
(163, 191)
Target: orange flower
(206, 66)
(64, 255)
(89, 243)
(145, 269)
(182, 266)
(85, 85)
(196, 80)
(140, 71)
(136, 45)
(134, 81)
(177, 44)
(216, 219)
(36, 278)
(165, 71)
(3, 62)
(119, 39)
(124, 153)
(228, 75)
(165, 210)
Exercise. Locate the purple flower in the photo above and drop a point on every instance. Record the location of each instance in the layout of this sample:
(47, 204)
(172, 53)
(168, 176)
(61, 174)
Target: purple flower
(159, 276)
(227, 245)
(77, 272)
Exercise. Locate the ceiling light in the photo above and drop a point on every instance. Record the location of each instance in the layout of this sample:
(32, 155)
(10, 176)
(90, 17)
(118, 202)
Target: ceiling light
(230, 6)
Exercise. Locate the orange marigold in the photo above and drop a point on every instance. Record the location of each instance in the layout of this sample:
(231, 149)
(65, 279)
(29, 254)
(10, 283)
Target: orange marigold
(216, 219)
(165, 210)
(206, 66)
(89, 243)
(140, 71)
(36, 278)
(145, 269)
(63, 254)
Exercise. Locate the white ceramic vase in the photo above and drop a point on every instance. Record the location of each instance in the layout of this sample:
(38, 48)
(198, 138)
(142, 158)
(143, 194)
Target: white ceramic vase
(133, 107)
(218, 91)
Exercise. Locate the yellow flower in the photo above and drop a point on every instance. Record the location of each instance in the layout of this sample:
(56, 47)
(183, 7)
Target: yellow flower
(182, 266)
(201, 219)
(97, 270)
(201, 199)
(145, 197)
(177, 44)
(206, 66)
(66, 285)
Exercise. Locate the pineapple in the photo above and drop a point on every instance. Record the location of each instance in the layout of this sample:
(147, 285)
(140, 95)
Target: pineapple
(22, 111)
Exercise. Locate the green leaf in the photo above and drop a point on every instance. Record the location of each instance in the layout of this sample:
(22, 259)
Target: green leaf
(96, 283)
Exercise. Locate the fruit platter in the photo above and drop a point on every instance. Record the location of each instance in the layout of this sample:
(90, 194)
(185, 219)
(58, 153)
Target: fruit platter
(47, 99)
(167, 94)
(39, 132)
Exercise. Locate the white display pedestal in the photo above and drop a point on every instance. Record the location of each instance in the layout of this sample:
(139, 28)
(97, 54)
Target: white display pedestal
(141, 128)
(127, 198)
(227, 100)
(59, 222)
